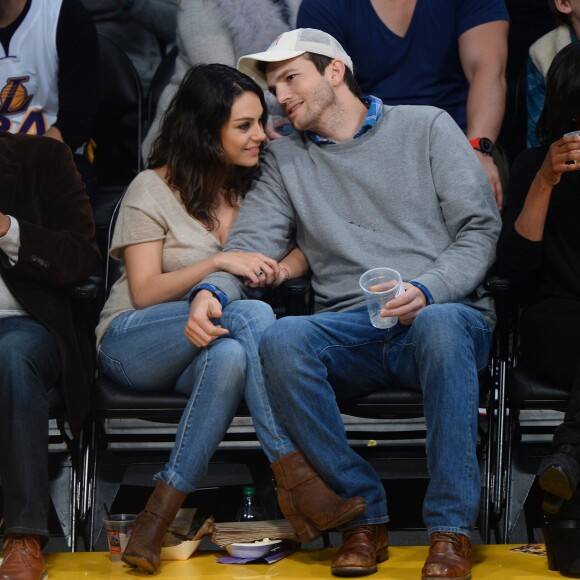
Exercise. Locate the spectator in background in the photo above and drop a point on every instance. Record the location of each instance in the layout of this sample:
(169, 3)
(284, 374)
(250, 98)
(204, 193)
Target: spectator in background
(529, 20)
(542, 53)
(49, 72)
(539, 250)
(221, 31)
(144, 29)
(46, 244)
(451, 55)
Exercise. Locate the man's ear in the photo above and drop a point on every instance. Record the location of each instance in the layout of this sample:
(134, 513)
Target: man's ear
(336, 70)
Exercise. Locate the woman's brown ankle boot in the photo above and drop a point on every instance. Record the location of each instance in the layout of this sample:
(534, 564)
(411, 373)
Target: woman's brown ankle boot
(307, 502)
(144, 547)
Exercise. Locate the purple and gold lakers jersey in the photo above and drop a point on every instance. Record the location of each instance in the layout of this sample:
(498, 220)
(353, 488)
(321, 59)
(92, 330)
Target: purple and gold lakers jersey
(29, 72)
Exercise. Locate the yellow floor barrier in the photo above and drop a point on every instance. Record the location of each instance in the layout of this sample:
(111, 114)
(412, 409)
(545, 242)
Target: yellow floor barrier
(497, 562)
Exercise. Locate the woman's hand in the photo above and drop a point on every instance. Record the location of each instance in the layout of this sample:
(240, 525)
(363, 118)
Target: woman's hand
(563, 156)
(259, 270)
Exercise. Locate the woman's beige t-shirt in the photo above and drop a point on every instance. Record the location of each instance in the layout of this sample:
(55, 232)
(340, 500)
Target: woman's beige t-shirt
(150, 211)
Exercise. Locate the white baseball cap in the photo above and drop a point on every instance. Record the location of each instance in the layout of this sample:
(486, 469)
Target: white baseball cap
(290, 45)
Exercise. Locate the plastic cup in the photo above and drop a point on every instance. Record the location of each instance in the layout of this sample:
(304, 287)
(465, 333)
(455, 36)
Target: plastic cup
(572, 162)
(380, 285)
(119, 528)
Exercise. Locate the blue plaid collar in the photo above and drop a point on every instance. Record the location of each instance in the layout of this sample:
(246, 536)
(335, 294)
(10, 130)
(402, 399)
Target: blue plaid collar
(375, 110)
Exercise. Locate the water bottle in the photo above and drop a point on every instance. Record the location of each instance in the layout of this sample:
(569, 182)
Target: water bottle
(249, 510)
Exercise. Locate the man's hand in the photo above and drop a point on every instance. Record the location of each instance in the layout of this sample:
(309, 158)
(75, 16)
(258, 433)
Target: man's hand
(199, 328)
(492, 173)
(407, 305)
(4, 224)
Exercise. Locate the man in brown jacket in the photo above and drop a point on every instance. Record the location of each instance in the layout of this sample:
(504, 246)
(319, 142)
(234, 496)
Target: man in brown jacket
(47, 243)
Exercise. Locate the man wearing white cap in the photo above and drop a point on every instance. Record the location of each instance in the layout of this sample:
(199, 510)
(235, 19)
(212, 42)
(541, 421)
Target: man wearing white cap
(359, 185)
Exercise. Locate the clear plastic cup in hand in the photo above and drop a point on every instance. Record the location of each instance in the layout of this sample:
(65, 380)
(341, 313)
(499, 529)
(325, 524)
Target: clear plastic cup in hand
(381, 285)
(572, 162)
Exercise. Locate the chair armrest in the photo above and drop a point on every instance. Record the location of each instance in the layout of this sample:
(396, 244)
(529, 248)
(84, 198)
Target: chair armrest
(496, 284)
(89, 289)
(290, 298)
(295, 287)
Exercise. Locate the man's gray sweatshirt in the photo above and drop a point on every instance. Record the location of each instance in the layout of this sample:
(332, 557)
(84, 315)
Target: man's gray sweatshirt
(409, 194)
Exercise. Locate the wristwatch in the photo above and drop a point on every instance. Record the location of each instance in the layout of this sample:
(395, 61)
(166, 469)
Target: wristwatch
(483, 145)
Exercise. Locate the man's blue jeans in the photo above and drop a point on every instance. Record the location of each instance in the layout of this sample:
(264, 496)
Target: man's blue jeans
(310, 359)
(147, 350)
(29, 366)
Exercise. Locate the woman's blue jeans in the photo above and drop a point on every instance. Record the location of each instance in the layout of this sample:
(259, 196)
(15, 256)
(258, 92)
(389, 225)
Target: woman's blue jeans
(309, 360)
(146, 350)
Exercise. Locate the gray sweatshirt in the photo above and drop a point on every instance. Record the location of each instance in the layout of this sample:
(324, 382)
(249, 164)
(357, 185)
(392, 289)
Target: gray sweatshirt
(409, 194)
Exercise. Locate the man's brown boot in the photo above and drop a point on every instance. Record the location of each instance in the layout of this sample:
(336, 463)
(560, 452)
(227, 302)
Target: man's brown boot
(307, 502)
(362, 547)
(144, 547)
(22, 559)
(449, 557)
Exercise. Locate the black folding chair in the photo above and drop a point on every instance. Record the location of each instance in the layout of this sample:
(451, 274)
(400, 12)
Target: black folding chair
(520, 390)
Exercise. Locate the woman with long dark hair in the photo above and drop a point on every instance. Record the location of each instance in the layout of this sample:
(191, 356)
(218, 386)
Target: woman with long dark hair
(540, 251)
(172, 225)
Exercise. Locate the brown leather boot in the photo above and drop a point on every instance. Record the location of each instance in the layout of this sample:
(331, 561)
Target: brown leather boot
(307, 502)
(362, 547)
(449, 557)
(22, 559)
(144, 546)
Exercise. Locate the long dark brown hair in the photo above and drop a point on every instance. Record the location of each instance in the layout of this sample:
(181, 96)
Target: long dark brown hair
(561, 112)
(189, 141)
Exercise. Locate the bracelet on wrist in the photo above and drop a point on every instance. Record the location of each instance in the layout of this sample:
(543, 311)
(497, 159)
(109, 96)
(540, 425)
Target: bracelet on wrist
(285, 269)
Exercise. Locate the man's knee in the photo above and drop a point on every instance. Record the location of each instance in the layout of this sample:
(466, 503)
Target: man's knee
(20, 355)
(29, 360)
(450, 331)
(281, 338)
(440, 326)
(22, 380)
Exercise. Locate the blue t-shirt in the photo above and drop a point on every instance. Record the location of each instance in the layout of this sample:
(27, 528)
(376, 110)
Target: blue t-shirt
(423, 67)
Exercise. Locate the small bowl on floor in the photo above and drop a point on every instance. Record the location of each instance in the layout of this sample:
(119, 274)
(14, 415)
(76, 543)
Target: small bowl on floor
(251, 549)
